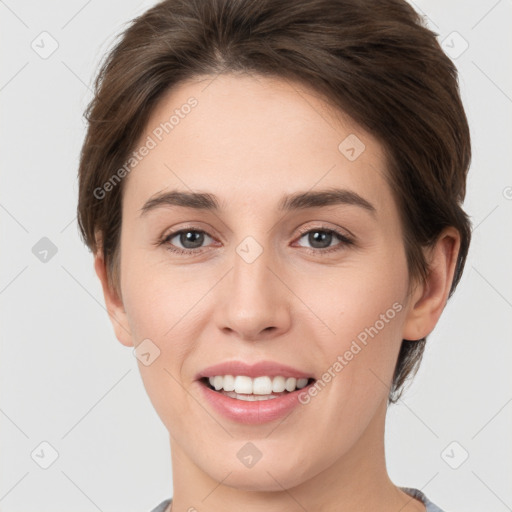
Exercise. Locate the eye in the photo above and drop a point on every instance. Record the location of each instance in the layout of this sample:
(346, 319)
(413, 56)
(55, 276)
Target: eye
(189, 241)
(186, 240)
(323, 238)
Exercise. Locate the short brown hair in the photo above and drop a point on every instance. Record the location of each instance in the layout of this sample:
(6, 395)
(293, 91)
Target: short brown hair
(373, 59)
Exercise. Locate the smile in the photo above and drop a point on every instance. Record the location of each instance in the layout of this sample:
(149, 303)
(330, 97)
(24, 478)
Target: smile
(259, 386)
(242, 387)
(253, 393)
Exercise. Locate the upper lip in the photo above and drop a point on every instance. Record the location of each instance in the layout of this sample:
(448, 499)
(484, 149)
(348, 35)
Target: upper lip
(259, 369)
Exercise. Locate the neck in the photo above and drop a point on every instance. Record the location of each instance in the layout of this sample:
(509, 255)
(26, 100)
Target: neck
(356, 481)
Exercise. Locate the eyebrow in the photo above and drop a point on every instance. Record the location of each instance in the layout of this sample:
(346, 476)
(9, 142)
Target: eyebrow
(296, 201)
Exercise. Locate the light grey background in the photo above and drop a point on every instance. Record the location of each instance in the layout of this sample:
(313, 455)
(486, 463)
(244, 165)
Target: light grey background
(67, 381)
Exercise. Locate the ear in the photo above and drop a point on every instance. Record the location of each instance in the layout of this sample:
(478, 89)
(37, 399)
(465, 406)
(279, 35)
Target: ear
(113, 302)
(429, 298)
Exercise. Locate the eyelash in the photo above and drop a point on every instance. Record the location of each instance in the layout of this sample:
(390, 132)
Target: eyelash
(345, 241)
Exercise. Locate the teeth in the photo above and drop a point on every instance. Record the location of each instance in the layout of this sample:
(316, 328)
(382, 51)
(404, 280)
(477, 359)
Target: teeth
(278, 384)
(262, 386)
(217, 382)
(265, 386)
(228, 383)
(291, 384)
(242, 385)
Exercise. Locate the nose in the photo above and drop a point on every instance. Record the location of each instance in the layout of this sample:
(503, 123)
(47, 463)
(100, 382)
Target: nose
(254, 303)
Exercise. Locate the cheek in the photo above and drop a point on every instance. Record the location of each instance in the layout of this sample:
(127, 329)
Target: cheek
(364, 308)
(350, 300)
(366, 313)
(165, 305)
(157, 311)
(155, 298)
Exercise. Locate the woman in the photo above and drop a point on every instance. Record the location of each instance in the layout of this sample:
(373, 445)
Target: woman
(272, 192)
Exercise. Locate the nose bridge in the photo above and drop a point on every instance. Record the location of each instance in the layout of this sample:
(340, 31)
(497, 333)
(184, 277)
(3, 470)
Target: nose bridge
(254, 303)
(250, 269)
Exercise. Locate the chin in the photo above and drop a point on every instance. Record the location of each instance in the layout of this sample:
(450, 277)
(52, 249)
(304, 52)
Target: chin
(264, 476)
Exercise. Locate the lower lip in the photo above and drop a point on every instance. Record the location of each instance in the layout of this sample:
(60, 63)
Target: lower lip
(253, 413)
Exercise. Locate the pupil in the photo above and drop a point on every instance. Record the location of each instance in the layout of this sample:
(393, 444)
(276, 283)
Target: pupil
(319, 237)
(194, 237)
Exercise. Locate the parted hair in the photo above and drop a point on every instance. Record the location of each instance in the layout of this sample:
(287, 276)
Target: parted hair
(374, 60)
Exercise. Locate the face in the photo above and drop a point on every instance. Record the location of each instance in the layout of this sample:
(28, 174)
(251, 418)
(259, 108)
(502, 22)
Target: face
(298, 277)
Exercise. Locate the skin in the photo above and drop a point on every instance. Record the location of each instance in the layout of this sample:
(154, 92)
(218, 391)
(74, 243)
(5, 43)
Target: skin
(249, 141)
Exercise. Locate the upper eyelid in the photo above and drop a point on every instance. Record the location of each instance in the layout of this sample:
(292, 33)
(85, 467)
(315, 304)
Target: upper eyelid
(301, 230)
(340, 231)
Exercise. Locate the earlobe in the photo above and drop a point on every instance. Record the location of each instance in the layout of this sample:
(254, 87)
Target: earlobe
(113, 303)
(429, 298)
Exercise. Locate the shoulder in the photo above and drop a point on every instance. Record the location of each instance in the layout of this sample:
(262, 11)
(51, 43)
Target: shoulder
(415, 493)
(163, 506)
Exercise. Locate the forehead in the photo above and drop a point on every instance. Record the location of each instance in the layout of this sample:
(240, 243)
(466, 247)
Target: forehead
(253, 139)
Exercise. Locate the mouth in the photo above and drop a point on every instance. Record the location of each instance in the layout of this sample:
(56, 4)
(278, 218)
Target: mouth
(253, 394)
(264, 387)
